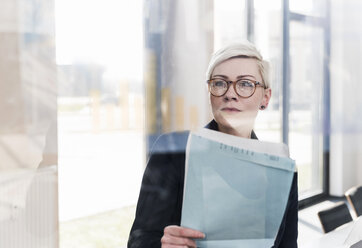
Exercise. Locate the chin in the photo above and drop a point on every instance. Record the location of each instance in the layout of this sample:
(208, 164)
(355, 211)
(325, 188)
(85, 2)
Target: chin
(235, 122)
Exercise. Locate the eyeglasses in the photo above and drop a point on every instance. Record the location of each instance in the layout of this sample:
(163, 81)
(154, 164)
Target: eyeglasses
(243, 87)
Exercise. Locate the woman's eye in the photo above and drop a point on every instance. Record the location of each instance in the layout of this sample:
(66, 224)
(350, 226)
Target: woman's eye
(219, 83)
(246, 84)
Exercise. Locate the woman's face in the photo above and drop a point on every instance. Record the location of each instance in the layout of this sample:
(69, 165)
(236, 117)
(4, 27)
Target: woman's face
(230, 110)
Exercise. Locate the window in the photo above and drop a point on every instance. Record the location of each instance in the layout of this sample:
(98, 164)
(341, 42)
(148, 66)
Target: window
(307, 90)
(100, 119)
(306, 105)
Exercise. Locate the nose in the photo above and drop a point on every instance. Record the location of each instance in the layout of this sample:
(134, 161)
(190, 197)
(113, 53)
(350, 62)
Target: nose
(231, 94)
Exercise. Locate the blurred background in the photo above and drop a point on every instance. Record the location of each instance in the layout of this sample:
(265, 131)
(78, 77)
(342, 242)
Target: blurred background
(87, 86)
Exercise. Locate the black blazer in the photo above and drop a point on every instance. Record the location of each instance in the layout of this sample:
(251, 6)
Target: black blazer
(160, 199)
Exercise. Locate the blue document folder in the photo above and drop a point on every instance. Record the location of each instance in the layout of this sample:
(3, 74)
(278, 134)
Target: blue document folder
(236, 190)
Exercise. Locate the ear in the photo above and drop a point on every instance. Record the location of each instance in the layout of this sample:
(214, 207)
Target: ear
(266, 98)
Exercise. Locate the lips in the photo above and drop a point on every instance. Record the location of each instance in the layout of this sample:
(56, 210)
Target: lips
(231, 109)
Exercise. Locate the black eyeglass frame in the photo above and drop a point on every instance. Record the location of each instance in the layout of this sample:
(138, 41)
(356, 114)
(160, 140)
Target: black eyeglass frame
(228, 83)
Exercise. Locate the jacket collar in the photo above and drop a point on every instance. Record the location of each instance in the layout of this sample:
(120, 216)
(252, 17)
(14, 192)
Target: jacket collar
(213, 126)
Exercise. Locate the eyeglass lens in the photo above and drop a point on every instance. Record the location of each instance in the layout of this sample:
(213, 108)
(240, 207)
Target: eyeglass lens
(244, 88)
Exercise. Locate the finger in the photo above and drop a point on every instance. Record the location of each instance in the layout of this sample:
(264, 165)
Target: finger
(178, 241)
(183, 232)
(174, 246)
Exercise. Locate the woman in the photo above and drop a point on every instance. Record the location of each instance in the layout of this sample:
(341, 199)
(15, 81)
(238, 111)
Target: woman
(238, 88)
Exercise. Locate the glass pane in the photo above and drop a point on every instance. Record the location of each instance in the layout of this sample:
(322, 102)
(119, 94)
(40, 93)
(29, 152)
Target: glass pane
(268, 38)
(173, 72)
(229, 21)
(306, 109)
(308, 7)
(100, 119)
(28, 125)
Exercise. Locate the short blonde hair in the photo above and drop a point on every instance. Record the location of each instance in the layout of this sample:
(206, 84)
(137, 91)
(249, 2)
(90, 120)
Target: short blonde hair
(240, 50)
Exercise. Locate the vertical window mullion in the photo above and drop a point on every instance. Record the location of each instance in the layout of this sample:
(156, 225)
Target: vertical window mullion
(286, 76)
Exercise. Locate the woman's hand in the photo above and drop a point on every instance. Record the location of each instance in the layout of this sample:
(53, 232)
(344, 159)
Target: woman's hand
(176, 236)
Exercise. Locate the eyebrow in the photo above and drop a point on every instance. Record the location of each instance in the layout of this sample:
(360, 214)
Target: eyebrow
(238, 77)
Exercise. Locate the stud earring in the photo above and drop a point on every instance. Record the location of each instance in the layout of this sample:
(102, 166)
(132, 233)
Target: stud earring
(262, 107)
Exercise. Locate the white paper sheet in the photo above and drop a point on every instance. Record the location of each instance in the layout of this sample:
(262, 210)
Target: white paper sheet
(236, 189)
